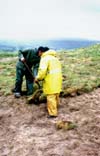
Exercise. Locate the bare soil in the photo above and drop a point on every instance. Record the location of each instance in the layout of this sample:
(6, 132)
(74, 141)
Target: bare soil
(8, 59)
(25, 129)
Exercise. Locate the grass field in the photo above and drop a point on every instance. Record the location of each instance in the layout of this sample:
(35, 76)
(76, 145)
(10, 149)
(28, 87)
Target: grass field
(80, 67)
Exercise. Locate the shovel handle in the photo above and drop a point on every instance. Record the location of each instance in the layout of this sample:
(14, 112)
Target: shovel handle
(31, 74)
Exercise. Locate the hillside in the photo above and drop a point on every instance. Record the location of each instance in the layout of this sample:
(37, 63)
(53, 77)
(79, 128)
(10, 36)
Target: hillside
(13, 45)
(80, 68)
(25, 129)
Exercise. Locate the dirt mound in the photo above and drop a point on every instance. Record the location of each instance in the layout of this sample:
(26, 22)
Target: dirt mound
(25, 129)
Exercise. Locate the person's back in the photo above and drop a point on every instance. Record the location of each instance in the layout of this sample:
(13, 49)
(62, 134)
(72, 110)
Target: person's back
(53, 78)
(30, 56)
(51, 74)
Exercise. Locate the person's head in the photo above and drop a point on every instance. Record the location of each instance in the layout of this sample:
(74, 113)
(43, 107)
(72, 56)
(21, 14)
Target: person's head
(42, 50)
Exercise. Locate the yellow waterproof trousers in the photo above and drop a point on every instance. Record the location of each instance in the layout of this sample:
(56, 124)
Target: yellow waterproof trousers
(52, 103)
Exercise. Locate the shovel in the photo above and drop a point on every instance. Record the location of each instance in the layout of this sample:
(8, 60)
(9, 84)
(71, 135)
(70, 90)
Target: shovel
(31, 73)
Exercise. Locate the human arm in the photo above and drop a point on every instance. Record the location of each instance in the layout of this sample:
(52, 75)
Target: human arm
(42, 71)
(21, 56)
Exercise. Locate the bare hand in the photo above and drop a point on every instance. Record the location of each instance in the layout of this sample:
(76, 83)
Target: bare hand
(35, 80)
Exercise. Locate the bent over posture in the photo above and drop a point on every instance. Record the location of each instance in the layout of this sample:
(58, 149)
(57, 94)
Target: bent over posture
(27, 60)
(51, 74)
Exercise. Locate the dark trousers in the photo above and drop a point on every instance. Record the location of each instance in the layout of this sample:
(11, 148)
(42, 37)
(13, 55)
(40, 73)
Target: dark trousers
(20, 73)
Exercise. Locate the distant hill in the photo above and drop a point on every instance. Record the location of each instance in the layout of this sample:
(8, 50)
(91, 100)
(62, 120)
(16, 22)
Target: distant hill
(57, 44)
(7, 46)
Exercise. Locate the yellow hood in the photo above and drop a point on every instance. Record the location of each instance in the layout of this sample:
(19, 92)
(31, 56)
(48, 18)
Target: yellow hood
(50, 52)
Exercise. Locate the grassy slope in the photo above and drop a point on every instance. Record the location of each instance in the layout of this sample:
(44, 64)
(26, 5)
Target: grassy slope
(81, 71)
(8, 54)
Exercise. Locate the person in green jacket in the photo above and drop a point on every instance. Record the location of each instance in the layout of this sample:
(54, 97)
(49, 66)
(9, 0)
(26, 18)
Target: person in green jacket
(30, 58)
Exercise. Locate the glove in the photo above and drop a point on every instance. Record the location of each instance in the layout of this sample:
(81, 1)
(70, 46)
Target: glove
(22, 59)
(35, 80)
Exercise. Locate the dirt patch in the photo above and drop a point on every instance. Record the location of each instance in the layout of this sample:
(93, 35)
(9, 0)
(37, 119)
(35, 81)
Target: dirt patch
(8, 59)
(25, 129)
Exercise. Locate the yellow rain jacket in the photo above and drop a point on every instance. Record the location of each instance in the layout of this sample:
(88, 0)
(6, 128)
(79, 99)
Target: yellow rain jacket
(50, 72)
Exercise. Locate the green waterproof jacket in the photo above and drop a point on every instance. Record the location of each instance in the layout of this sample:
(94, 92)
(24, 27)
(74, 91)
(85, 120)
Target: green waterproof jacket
(50, 72)
(31, 57)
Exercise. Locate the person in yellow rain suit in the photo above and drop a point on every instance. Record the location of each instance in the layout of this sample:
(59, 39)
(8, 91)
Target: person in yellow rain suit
(51, 74)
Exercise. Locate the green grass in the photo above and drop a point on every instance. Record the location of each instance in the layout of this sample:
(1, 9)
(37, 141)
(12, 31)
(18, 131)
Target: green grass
(8, 54)
(80, 68)
(7, 76)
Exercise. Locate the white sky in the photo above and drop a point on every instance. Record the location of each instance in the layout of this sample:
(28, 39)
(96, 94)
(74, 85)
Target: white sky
(37, 19)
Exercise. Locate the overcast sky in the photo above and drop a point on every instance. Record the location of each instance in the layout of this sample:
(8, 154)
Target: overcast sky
(32, 19)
